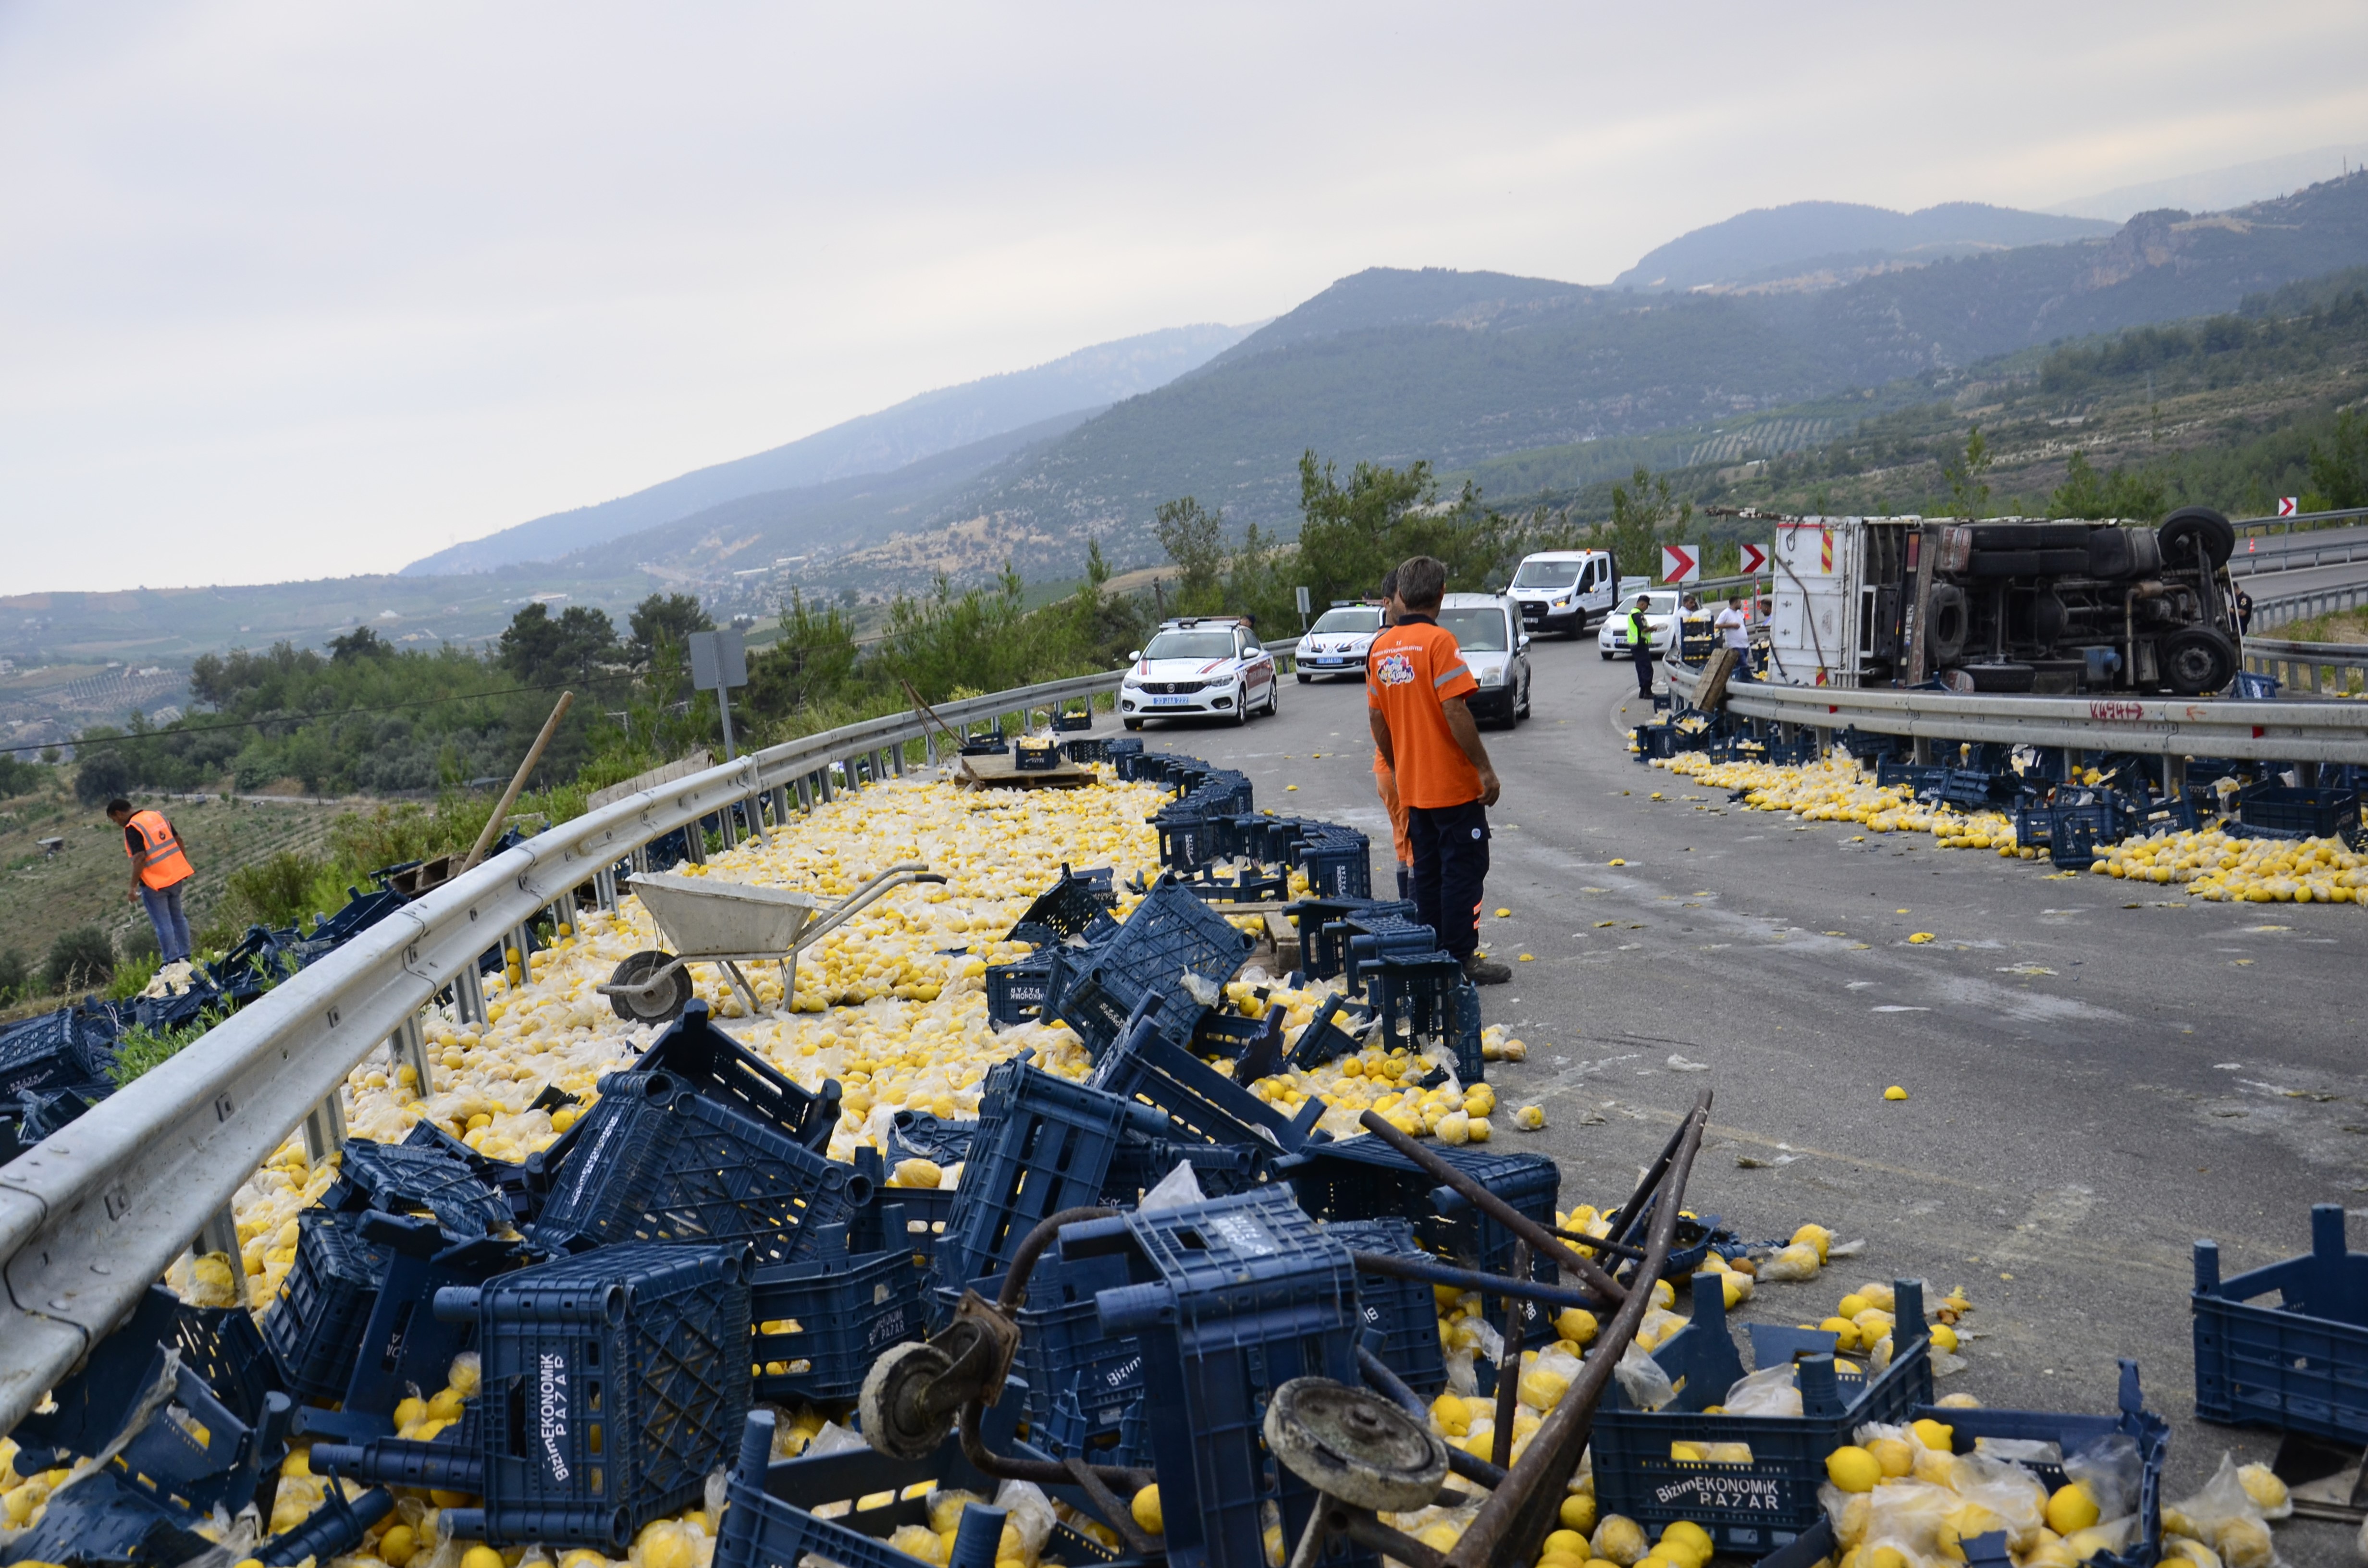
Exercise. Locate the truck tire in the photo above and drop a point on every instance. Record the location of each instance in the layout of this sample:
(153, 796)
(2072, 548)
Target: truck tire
(2198, 659)
(2030, 536)
(2053, 563)
(1949, 622)
(2191, 525)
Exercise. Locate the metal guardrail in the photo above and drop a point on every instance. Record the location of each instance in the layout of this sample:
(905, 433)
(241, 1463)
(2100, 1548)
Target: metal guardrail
(2309, 667)
(2278, 610)
(2260, 554)
(2286, 732)
(90, 1216)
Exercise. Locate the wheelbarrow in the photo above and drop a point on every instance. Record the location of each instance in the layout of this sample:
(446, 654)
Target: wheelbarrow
(727, 925)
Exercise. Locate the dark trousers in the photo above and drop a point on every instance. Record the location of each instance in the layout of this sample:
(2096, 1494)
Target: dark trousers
(1450, 863)
(1642, 654)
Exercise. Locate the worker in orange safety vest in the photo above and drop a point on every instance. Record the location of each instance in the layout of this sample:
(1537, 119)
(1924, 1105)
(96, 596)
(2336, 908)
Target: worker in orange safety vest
(160, 873)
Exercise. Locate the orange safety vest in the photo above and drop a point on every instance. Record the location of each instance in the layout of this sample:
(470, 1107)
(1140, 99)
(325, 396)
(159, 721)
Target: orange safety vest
(162, 864)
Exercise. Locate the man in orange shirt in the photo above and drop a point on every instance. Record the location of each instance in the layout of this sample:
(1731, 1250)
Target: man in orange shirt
(160, 874)
(1416, 683)
(1385, 781)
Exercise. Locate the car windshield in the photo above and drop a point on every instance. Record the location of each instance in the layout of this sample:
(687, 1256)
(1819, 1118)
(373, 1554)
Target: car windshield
(1191, 645)
(1479, 629)
(1658, 604)
(1547, 574)
(1348, 617)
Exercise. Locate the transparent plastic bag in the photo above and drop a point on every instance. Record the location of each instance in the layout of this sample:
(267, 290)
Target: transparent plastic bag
(2228, 1518)
(1642, 1379)
(2008, 1492)
(1028, 1518)
(2111, 1469)
(1908, 1516)
(1795, 1260)
(1771, 1391)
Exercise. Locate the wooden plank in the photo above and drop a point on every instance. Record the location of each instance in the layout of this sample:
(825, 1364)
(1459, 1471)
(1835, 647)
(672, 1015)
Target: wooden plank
(1000, 773)
(1710, 692)
(1284, 935)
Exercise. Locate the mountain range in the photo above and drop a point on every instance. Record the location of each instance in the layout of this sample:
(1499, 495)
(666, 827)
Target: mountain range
(1459, 369)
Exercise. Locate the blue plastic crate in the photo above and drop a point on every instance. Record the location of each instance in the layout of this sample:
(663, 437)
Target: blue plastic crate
(614, 1384)
(334, 1530)
(1232, 1298)
(1325, 928)
(1065, 1358)
(942, 1140)
(103, 1518)
(1015, 992)
(2248, 687)
(1750, 1509)
(2070, 1434)
(1338, 1028)
(701, 1056)
(1405, 1311)
(1200, 1104)
(656, 1160)
(314, 1325)
(821, 1323)
(1066, 908)
(1427, 1005)
(1338, 862)
(2280, 810)
(1043, 1145)
(1168, 934)
(2301, 1364)
(1220, 1168)
(408, 1178)
(69, 1046)
(1371, 936)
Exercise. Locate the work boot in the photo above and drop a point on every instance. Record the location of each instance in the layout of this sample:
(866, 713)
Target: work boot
(1482, 969)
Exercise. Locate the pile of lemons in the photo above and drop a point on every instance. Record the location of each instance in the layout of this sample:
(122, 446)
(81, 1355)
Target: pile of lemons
(2210, 865)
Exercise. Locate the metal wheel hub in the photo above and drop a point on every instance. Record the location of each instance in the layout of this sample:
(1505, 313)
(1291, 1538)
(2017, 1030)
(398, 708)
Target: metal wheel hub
(1354, 1446)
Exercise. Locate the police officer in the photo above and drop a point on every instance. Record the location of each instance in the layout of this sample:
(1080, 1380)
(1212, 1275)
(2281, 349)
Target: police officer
(1639, 648)
(160, 873)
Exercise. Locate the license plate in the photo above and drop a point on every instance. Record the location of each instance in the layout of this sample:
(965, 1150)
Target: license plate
(1171, 702)
(1326, 664)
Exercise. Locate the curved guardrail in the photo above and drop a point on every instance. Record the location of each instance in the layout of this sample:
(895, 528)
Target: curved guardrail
(2298, 666)
(2179, 726)
(90, 1216)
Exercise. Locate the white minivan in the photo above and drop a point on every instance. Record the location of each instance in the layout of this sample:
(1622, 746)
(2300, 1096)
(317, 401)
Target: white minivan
(1565, 590)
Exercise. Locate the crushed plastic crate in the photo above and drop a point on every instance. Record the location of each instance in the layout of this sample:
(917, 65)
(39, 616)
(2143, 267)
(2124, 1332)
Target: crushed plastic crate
(697, 1053)
(401, 1178)
(2301, 1364)
(1169, 934)
(919, 1135)
(1043, 1145)
(69, 1046)
(397, 1345)
(821, 1323)
(1200, 1105)
(335, 1528)
(1750, 1509)
(841, 1508)
(1066, 908)
(314, 1325)
(1404, 1312)
(103, 1517)
(1338, 1028)
(614, 1384)
(1232, 1298)
(1323, 929)
(657, 1160)
(2070, 1434)
(1015, 992)
(86, 1412)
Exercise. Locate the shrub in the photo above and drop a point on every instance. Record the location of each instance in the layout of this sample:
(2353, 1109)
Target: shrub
(277, 892)
(16, 974)
(102, 776)
(82, 957)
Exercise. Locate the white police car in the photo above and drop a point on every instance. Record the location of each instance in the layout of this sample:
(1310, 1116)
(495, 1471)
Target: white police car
(1660, 614)
(1200, 667)
(1337, 644)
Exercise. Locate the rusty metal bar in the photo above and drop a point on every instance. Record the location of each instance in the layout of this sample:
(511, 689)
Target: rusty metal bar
(1508, 1365)
(1497, 1208)
(1398, 1266)
(1512, 1524)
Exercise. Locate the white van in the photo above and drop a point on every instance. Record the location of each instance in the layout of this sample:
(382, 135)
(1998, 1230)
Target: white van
(1565, 590)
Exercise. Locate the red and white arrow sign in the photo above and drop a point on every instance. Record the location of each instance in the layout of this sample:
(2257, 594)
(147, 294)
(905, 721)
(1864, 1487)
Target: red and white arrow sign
(1679, 565)
(2288, 505)
(1755, 560)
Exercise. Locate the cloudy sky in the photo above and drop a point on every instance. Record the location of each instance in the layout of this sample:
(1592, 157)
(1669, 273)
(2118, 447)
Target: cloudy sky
(295, 290)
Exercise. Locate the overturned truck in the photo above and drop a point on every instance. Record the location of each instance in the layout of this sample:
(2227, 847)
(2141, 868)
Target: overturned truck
(2005, 604)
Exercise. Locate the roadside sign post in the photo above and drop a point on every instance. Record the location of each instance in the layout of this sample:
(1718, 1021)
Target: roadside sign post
(719, 661)
(1680, 564)
(1303, 611)
(1755, 560)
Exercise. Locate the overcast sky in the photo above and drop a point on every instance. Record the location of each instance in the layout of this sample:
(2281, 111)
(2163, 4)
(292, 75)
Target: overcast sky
(295, 290)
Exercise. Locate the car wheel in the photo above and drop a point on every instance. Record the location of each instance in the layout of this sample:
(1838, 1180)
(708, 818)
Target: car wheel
(1521, 709)
(1242, 709)
(1304, 677)
(1607, 655)
(1133, 723)
(1273, 699)
(2198, 659)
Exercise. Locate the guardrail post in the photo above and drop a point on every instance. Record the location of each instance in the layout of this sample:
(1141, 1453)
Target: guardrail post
(929, 748)
(220, 1233)
(725, 825)
(604, 888)
(694, 837)
(805, 793)
(524, 937)
(469, 995)
(407, 1047)
(823, 774)
(324, 1127)
(896, 758)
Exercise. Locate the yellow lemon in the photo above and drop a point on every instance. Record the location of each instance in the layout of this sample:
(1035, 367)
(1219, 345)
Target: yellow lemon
(1853, 1469)
(1578, 1514)
(1943, 1337)
(1576, 1325)
(1454, 1417)
(2262, 1485)
(395, 1547)
(1145, 1509)
(1895, 1093)
(1894, 1457)
(2073, 1507)
(483, 1557)
(1620, 1540)
(1935, 1435)
(1565, 1542)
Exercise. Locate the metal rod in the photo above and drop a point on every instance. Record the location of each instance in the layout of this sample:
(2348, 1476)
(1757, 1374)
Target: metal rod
(1512, 1524)
(1390, 1386)
(1497, 1208)
(1398, 1266)
(1508, 1365)
(518, 782)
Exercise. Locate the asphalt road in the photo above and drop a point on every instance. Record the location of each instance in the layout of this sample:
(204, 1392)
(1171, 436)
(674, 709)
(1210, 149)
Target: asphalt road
(2098, 1072)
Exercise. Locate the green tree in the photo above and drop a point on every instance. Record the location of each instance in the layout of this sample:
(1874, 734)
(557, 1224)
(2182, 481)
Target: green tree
(1195, 540)
(80, 958)
(102, 776)
(660, 619)
(1645, 515)
(1969, 493)
(540, 649)
(361, 642)
(811, 666)
(2085, 493)
(2339, 472)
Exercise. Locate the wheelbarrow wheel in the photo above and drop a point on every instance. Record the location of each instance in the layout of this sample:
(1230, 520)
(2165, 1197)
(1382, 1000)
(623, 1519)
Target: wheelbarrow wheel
(658, 1007)
(1354, 1446)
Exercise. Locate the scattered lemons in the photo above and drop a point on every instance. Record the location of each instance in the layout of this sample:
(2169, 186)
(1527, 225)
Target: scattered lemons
(1920, 937)
(1146, 1508)
(1895, 1093)
(2072, 1508)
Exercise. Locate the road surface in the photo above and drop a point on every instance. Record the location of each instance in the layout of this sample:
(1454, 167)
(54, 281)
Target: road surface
(2098, 1072)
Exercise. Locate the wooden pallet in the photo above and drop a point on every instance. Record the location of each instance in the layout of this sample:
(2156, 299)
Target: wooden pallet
(999, 773)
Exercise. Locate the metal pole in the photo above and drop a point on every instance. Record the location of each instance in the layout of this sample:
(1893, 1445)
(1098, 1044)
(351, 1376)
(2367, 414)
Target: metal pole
(723, 704)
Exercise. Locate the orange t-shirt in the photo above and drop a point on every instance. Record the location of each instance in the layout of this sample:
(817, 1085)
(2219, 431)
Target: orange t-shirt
(1413, 668)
